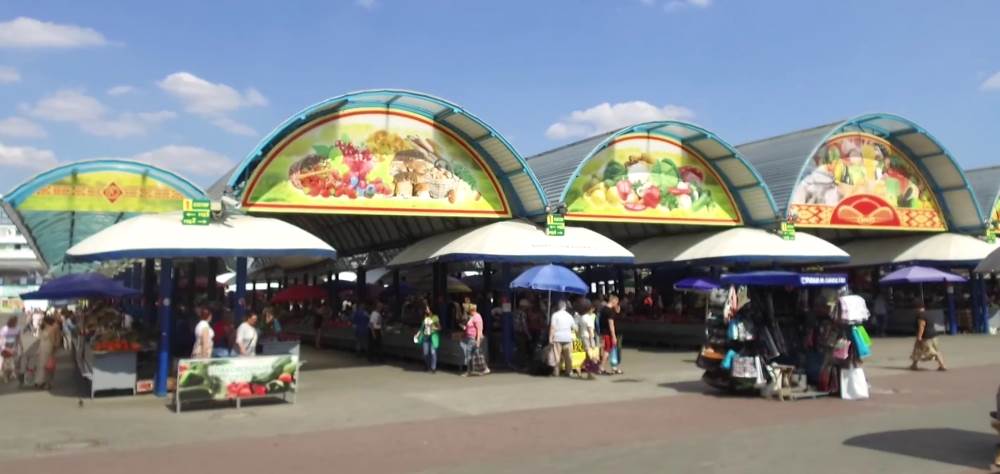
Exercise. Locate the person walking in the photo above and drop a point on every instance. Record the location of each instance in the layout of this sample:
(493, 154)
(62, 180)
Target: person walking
(271, 327)
(10, 337)
(881, 310)
(926, 348)
(609, 336)
(375, 333)
(472, 341)
(246, 337)
(561, 331)
(429, 338)
(49, 337)
(204, 336)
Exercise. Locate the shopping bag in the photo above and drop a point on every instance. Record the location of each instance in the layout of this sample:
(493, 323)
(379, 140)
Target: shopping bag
(478, 362)
(550, 354)
(853, 384)
(745, 367)
(614, 356)
(864, 335)
(864, 350)
(733, 331)
(727, 361)
(842, 349)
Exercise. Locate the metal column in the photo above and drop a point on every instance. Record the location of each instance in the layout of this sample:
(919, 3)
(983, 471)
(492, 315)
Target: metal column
(240, 304)
(163, 352)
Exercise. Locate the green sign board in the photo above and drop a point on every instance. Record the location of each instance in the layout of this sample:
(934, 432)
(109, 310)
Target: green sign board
(555, 225)
(787, 231)
(197, 212)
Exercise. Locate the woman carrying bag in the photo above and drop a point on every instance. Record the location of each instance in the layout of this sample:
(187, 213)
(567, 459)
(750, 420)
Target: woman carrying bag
(429, 337)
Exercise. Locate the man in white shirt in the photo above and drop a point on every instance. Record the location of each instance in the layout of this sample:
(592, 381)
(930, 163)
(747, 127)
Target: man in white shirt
(375, 332)
(246, 337)
(561, 330)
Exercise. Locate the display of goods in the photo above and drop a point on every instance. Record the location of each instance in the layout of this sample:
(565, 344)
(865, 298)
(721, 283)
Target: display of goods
(120, 345)
(236, 377)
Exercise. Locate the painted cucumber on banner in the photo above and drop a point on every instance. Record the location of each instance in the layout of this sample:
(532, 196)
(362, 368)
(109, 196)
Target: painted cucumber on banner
(236, 377)
(649, 178)
(375, 161)
(860, 180)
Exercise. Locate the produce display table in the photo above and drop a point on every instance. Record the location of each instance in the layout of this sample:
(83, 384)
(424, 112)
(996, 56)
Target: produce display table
(662, 333)
(397, 342)
(107, 370)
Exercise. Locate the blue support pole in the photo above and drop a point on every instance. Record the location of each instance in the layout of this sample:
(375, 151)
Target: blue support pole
(508, 344)
(977, 307)
(952, 320)
(984, 303)
(240, 305)
(163, 352)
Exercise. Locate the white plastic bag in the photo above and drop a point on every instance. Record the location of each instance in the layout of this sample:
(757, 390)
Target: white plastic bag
(853, 309)
(853, 384)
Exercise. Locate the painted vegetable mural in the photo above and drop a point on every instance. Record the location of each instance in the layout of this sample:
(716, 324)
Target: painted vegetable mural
(376, 161)
(237, 377)
(860, 180)
(649, 178)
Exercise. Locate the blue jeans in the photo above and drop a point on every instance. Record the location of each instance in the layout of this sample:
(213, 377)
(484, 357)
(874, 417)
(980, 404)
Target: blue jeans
(220, 352)
(430, 354)
(468, 348)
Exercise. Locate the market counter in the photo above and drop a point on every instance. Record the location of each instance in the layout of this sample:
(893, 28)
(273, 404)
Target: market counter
(107, 370)
(278, 347)
(661, 333)
(904, 321)
(396, 342)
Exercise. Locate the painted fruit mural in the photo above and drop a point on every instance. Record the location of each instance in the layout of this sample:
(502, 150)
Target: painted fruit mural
(860, 180)
(375, 161)
(641, 177)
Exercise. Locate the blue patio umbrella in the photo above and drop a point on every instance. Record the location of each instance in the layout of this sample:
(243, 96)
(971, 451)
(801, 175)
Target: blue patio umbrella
(550, 278)
(696, 284)
(80, 285)
(920, 275)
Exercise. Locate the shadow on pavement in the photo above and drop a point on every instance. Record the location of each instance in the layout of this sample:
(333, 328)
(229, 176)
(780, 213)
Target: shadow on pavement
(946, 445)
(698, 387)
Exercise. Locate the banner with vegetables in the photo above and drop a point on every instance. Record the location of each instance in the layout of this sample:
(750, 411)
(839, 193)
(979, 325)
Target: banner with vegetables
(375, 161)
(236, 377)
(860, 180)
(649, 178)
(104, 191)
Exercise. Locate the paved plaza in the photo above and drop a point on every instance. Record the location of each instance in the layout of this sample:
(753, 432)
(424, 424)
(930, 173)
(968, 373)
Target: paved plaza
(355, 417)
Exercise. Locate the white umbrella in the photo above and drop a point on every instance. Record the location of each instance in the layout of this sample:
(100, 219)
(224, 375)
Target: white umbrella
(990, 264)
(514, 241)
(736, 245)
(164, 236)
(946, 248)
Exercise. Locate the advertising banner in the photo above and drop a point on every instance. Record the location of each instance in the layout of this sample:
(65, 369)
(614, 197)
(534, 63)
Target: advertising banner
(236, 377)
(104, 191)
(861, 181)
(649, 178)
(375, 161)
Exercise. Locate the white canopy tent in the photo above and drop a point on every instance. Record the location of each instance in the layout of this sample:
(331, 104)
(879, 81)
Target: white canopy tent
(942, 249)
(164, 236)
(514, 241)
(740, 245)
(991, 263)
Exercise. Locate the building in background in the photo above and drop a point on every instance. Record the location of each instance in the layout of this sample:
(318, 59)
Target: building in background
(20, 270)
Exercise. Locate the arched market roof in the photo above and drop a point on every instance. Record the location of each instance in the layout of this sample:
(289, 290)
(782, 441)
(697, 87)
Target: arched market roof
(62, 206)
(504, 182)
(559, 171)
(985, 183)
(784, 162)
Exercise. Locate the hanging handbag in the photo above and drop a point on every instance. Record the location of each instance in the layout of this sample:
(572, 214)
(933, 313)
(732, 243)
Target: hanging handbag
(770, 347)
(733, 331)
(842, 349)
(745, 367)
(864, 335)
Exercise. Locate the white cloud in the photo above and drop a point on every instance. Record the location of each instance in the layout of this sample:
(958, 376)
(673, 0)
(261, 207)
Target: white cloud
(120, 90)
(366, 4)
(675, 5)
(187, 159)
(27, 157)
(92, 116)
(9, 75)
(606, 117)
(26, 32)
(232, 126)
(18, 127)
(992, 83)
(213, 101)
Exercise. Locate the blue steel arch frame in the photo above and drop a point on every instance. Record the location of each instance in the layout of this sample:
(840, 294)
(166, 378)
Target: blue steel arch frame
(13, 200)
(861, 124)
(363, 99)
(655, 128)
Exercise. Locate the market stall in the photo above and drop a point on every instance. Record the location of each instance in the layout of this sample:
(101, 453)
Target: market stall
(785, 334)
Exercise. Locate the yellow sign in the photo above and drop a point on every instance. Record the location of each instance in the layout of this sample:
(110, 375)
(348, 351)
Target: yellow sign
(104, 191)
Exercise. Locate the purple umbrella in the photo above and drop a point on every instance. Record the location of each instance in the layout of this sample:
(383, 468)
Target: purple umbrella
(920, 275)
(696, 284)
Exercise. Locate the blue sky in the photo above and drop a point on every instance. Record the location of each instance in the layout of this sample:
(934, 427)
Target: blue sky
(193, 85)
